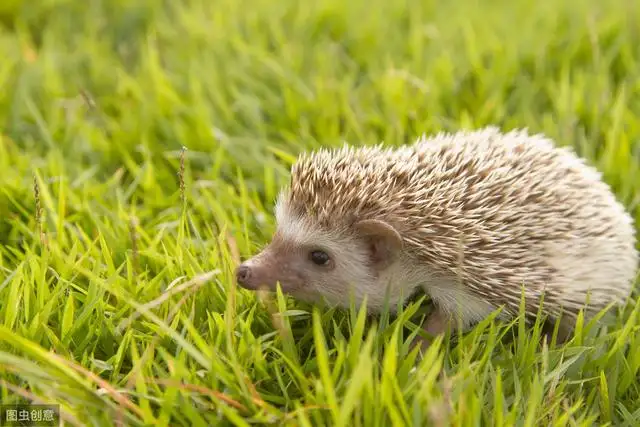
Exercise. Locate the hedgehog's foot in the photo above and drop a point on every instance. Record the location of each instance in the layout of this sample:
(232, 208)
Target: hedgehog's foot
(565, 331)
(435, 324)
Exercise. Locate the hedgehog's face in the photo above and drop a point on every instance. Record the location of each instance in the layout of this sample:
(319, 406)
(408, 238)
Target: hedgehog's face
(313, 264)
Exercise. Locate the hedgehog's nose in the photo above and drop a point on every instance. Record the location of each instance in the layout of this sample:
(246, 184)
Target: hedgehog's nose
(243, 273)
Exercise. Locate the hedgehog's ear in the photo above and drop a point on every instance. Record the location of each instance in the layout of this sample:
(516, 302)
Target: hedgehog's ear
(384, 241)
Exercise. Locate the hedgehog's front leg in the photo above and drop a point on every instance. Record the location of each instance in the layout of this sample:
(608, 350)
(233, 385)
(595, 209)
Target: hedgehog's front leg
(437, 323)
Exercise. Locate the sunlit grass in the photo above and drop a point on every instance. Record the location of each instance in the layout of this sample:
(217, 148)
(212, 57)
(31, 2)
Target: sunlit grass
(117, 246)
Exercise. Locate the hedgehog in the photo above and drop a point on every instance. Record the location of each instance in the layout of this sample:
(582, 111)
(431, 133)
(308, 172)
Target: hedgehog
(479, 220)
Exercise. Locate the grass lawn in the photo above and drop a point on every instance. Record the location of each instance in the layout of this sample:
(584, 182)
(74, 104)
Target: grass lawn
(117, 247)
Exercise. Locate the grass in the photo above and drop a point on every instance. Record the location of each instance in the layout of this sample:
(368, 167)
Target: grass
(142, 145)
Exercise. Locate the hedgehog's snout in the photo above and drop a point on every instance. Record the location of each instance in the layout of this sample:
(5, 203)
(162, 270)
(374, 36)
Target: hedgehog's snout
(261, 271)
(249, 276)
(272, 266)
(243, 275)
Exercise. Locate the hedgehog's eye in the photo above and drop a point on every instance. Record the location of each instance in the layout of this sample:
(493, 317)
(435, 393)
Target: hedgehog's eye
(319, 257)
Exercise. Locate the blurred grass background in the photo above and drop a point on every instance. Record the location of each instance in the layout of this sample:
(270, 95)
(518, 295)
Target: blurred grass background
(102, 211)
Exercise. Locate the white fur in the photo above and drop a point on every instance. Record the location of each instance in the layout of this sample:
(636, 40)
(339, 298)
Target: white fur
(590, 270)
(458, 302)
(292, 227)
